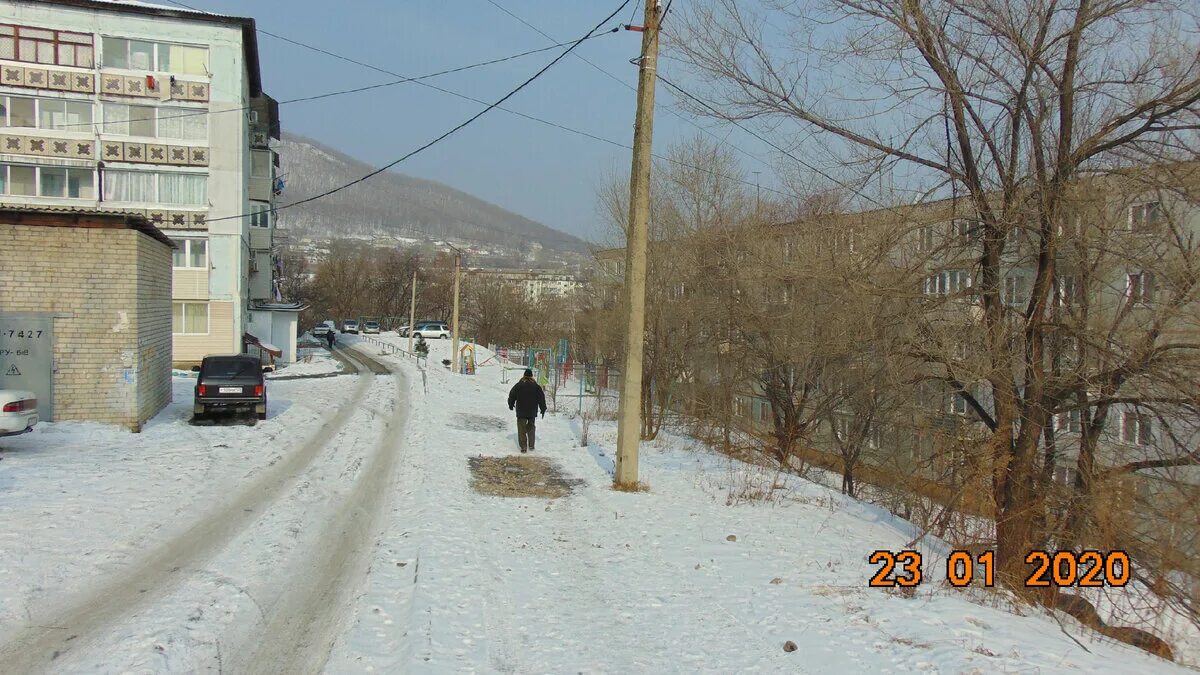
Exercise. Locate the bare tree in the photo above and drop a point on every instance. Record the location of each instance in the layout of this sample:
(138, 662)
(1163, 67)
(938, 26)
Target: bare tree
(1002, 106)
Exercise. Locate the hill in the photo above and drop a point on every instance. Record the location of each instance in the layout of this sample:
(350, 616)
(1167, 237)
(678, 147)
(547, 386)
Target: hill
(396, 205)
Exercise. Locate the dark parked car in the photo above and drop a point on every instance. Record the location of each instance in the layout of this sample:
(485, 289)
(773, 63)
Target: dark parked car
(230, 384)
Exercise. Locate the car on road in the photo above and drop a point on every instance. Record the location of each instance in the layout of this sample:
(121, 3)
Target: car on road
(230, 384)
(370, 327)
(350, 326)
(18, 411)
(432, 329)
(324, 328)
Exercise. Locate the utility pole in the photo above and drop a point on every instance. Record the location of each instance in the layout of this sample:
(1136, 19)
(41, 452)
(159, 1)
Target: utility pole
(454, 316)
(412, 313)
(757, 194)
(629, 413)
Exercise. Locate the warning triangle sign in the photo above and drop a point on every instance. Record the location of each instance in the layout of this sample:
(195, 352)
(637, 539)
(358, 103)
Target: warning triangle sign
(12, 370)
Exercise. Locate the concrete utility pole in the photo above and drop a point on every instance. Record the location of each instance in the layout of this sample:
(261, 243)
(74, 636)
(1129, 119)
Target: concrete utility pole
(629, 413)
(454, 317)
(412, 313)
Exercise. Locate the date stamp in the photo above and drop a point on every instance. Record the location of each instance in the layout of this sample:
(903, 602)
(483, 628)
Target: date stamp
(1064, 569)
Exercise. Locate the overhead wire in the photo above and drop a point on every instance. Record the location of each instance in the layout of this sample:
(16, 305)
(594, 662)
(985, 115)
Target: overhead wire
(630, 87)
(342, 92)
(455, 129)
(511, 111)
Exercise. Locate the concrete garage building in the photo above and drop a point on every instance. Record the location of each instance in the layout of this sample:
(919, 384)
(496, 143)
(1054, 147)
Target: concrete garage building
(85, 313)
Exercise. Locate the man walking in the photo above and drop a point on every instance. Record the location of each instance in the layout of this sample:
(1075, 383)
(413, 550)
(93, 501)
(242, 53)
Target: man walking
(526, 397)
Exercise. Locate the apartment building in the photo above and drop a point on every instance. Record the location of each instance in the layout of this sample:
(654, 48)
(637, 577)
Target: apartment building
(156, 111)
(534, 285)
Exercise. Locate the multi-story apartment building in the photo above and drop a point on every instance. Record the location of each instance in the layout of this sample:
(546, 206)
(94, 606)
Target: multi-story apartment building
(152, 110)
(534, 285)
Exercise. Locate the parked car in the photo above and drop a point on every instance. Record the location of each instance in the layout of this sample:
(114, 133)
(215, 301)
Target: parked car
(322, 329)
(350, 326)
(370, 327)
(18, 411)
(402, 331)
(432, 329)
(230, 384)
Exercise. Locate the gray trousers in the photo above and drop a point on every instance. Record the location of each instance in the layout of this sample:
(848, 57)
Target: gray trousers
(525, 428)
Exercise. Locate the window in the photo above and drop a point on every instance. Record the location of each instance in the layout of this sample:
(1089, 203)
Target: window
(156, 56)
(45, 113)
(46, 181)
(1145, 217)
(1013, 238)
(1068, 290)
(1069, 422)
(965, 230)
(1140, 288)
(1014, 291)
(63, 114)
(185, 124)
(958, 404)
(925, 238)
(788, 247)
(51, 47)
(764, 412)
(1136, 428)
(181, 189)
(191, 254)
(740, 409)
(949, 282)
(189, 318)
(260, 164)
(1064, 475)
(260, 214)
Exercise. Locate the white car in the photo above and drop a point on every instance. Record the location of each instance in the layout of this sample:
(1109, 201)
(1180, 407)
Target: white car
(432, 329)
(18, 411)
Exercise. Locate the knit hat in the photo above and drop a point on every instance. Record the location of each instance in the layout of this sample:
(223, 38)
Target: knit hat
(528, 372)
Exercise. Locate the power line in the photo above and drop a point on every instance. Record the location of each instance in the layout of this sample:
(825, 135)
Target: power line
(760, 137)
(630, 87)
(342, 92)
(454, 130)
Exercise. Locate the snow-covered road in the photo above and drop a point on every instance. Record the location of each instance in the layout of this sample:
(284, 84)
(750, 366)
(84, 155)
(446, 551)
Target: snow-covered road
(343, 535)
(246, 559)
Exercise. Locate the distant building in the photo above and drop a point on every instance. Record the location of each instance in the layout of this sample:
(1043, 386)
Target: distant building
(535, 285)
(158, 111)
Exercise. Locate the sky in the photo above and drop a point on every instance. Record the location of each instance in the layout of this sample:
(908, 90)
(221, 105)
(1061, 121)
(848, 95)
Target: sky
(540, 172)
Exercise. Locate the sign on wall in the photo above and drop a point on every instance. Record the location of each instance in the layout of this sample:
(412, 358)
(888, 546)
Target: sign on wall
(27, 357)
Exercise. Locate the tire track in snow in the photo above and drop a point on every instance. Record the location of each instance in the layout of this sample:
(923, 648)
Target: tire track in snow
(305, 623)
(51, 633)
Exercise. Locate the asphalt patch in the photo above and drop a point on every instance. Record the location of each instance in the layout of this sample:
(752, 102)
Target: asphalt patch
(519, 476)
(481, 423)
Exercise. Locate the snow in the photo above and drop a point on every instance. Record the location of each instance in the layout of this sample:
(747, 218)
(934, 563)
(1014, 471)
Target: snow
(343, 530)
(310, 362)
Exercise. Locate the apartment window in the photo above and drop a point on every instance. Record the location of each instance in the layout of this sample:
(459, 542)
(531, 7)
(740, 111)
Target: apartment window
(45, 113)
(675, 292)
(841, 428)
(948, 282)
(1068, 290)
(1140, 287)
(260, 214)
(191, 254)
(1071, 227)
(1069, 422)
(740, 409)
(965, 229)
(958, 404)
(1136, 428)
(51, 47)
(788, 247)
(925, 238)
(181, 189)
(1014, 291)
(1145, 217)
(1013, 238)
(260, 164)
(764, 412)
(1064, 475)
(185, 124)
(46, 181)
(157, 56)
(189, 318)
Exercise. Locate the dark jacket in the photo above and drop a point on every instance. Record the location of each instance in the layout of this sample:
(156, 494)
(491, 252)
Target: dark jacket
(528, 397)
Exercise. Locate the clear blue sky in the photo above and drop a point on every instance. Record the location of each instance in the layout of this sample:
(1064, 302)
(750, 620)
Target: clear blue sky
(542, 173)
